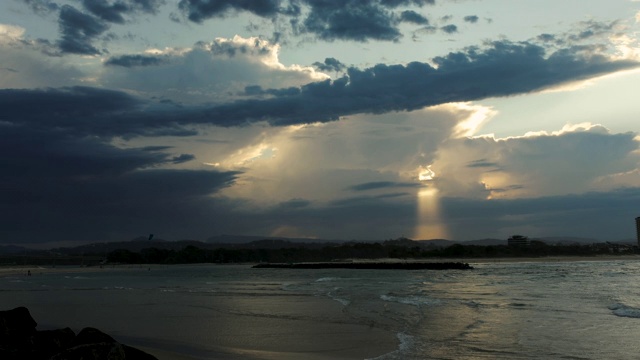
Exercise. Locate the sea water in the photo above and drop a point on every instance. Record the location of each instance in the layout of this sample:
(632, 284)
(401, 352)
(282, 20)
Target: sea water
(499, 310)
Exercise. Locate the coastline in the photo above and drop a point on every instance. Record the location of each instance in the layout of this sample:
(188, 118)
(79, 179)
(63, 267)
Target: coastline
(238, 333)
(18, 270)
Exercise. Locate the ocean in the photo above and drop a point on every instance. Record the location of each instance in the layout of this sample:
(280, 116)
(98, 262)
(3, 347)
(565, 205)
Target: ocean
(499, 310)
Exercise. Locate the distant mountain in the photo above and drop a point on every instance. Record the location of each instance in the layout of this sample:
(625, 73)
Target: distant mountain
(269, 242)
(12, 249)
(134, 245)
(244, 239)
(568, 240)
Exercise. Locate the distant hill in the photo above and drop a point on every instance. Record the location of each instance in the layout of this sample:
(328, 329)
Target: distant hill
(11, 249)
(132, 245)
(244, 239)
(568, 240)
(270, 242)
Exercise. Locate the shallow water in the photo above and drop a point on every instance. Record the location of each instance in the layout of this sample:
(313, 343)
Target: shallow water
(564, 310)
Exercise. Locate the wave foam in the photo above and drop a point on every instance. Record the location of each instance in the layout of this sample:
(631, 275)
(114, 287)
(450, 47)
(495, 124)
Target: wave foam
(411, 300)
(406, 343)
(623, 310)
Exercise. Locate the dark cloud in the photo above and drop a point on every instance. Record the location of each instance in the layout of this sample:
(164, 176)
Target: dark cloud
(502, 69)
(482, 163)
(130, 61)
(546, 37)
(56, 186)
(111, 12)
(449, 29)
(182, 158)
(413, 17)
(115, 11)
(200, 10)
(505, 189)
(328, 20)
(85, 111)
(294, 204)
(330, 64)
(361, 200)
(57, 104)
(78, 30)
(601, 215)
(345, 220)
(350, 20)
(231, 49)
(471, 19)
(258, 91)
(398, 3)
(375, 185)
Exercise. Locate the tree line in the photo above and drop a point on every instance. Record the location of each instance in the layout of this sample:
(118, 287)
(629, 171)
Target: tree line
(401, 249)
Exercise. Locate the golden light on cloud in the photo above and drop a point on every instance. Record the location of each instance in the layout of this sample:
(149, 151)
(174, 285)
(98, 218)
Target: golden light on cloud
(10, 33)
(425, 173)
(478, 115)
(250, 154)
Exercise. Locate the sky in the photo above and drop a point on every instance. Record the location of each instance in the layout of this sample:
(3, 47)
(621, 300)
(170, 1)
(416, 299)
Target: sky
(327, 119)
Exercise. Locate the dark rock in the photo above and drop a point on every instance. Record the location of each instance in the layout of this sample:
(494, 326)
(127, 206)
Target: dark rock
(51, 342)
(98, 351)
(17, 322)
(91, 343)
(19, 340)
(17, 330)
(91, 335)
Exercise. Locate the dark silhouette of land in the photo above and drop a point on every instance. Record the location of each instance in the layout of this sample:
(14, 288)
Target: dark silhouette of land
(144, 251)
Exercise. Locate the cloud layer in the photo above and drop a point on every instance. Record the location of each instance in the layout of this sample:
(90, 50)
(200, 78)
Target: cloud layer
(103, 138)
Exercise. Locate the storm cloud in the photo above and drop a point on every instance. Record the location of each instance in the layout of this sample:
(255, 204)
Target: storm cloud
(115, 11)
(502, 69)
(78, 30)
(328, 20)
(129, 61)
(200, 10)
(53, 179)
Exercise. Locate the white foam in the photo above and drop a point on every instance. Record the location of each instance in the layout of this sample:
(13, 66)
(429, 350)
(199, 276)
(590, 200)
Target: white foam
(411, 300)
(406, 343)
(342, 301)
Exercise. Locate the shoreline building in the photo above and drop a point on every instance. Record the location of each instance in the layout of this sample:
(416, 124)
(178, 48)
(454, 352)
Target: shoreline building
(638, 229)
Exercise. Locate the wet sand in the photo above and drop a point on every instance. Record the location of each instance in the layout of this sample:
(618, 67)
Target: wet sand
(179, 326)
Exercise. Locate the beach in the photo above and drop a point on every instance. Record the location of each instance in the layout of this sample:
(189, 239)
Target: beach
(235, 312)
(253, 322)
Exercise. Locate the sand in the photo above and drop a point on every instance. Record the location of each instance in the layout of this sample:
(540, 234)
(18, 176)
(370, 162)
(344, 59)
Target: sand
(231, 326)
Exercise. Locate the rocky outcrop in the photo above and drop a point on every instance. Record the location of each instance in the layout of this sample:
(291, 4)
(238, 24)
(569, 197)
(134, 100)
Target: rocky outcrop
(19, 340)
